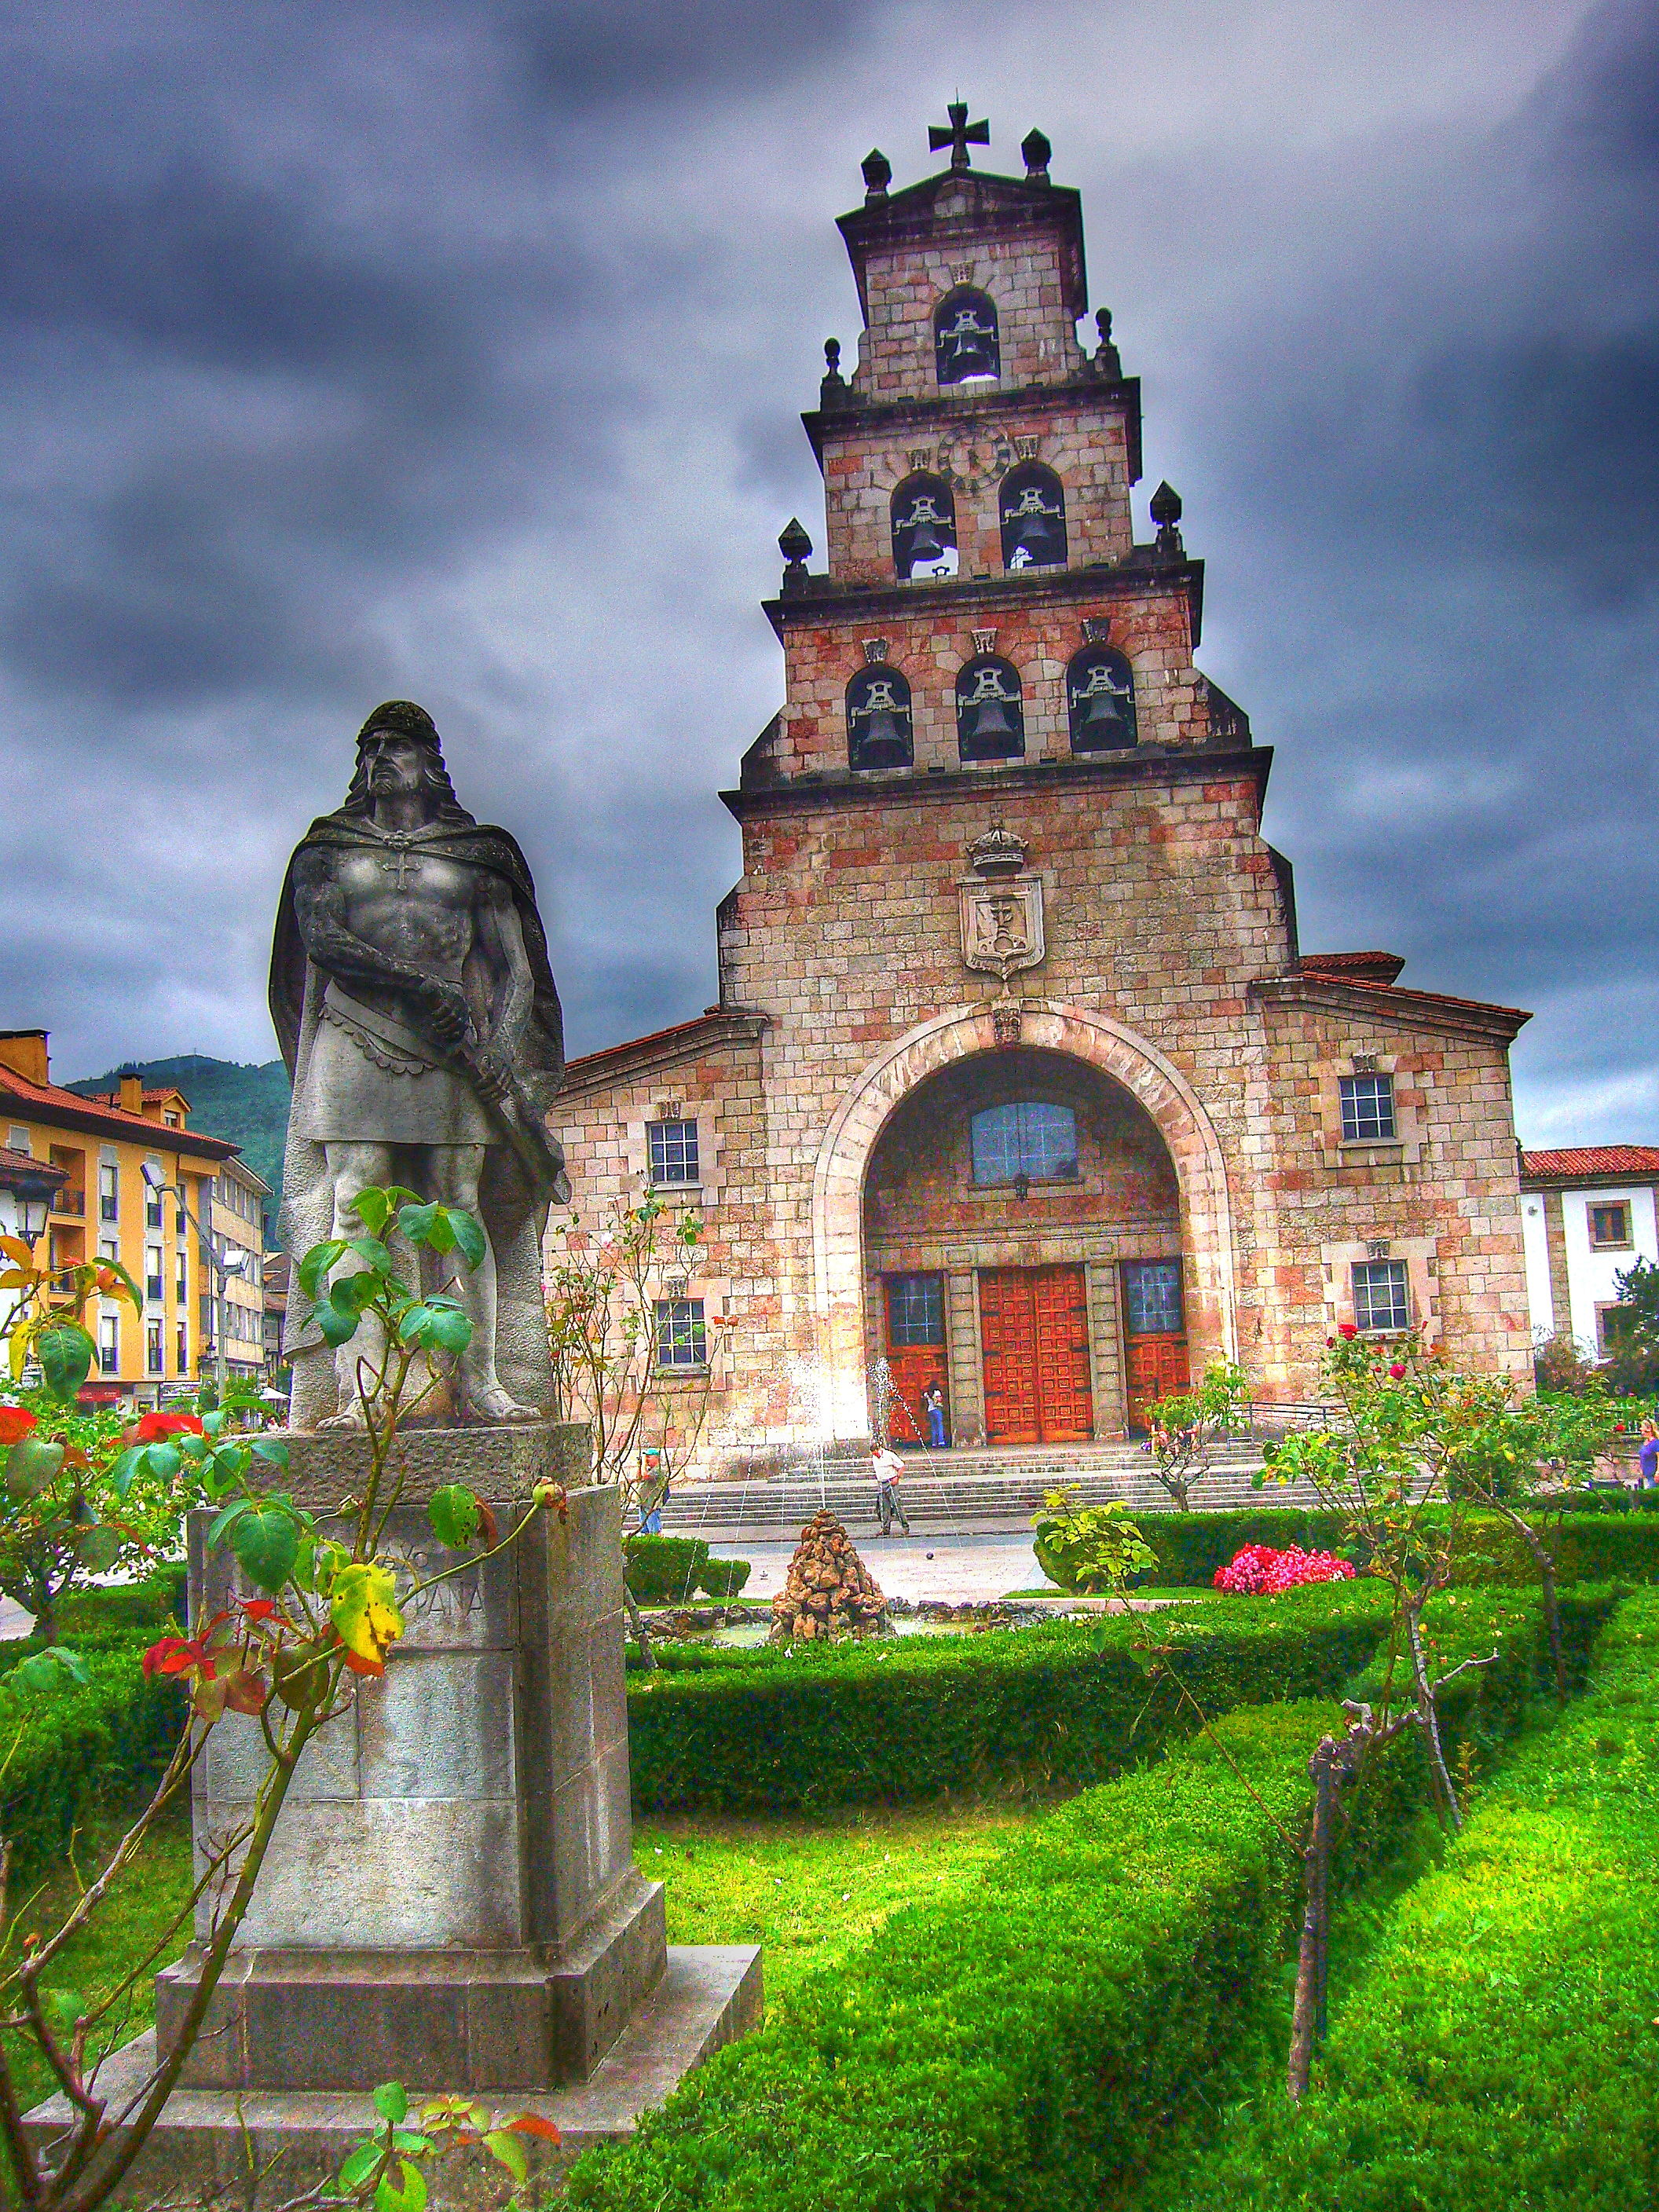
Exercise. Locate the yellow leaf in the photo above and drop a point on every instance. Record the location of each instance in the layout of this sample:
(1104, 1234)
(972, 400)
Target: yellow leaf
(363, 1609)
(15, 1248)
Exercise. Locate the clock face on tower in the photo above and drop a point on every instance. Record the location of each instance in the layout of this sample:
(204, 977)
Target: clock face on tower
(970, 464)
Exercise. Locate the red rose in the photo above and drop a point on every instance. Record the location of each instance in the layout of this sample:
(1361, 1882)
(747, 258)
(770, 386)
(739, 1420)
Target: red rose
(1396, 1373)
(1347, 1328)
(156, 1428)
(15, 1422)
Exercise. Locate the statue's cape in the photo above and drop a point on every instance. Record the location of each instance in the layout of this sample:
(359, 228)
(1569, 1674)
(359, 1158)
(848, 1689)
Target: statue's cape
(517, 1183)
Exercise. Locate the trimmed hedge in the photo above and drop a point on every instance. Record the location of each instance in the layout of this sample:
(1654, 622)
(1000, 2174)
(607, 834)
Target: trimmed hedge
(895, 1720)
(1500, 2050)
(1030, 2044)
(1604, 1545)
(80, 1747)
(664, 1569)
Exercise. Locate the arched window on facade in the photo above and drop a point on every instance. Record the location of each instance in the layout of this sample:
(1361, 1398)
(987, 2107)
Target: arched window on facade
(1100, 699)
(990, 719)
(878, 725)
(1029, 1141)
(965, 346)
(924, 514)
(1031, 507)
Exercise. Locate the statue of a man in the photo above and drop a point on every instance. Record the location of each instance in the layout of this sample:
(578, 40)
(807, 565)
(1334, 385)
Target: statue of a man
(412, 994)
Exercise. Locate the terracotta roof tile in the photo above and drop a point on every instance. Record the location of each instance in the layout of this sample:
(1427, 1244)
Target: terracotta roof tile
(1618, 1160)
(67, 1109)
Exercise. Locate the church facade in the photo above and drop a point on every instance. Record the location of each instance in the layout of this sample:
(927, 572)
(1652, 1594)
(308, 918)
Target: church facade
(1019, 1079)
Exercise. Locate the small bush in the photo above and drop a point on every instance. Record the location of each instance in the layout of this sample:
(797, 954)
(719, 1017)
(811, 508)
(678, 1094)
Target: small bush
(723, 1579)
(664, 1569)
(1259, 1571)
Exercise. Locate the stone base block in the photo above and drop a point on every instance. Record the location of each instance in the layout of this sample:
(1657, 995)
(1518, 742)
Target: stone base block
(479, 2020)
(210, 2140)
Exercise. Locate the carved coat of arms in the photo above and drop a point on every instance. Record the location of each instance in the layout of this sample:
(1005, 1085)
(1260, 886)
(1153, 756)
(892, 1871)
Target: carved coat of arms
(1001, 907)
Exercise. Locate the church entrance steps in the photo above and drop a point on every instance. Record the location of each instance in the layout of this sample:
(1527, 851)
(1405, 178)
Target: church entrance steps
(969, 1489)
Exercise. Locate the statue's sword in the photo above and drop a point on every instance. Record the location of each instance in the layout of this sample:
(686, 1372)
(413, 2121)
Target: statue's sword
(522, 1126)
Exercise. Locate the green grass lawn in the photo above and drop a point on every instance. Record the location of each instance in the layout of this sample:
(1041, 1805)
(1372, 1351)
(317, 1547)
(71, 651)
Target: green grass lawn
(127, 1926)
(805, 1889)
(802, 1888)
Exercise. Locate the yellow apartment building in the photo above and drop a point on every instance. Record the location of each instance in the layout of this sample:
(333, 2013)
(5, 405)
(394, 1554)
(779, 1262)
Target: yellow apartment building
(234, 1318)
(103, 1207)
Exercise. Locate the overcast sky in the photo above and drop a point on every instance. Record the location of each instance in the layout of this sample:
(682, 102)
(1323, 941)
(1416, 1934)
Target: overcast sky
(454, 348)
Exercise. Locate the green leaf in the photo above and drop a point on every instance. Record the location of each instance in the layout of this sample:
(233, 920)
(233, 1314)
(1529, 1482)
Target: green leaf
(66, 1353)
(444, 1229)
(392, 2098)
(453, 1512)
(121, 1475)
(352, 1294)
(374, 1209)
(469, 1237)
(417, 2146)
(31, 1466)
(265, 1542)
(44, 1670)
(334, 1327)
(216, 1534)
(99, 1550)
(194, 1447)
(272, 1449)
(63, 2008)
(509, 2151)
(374, 1255)
(407, 2194)
(213, 1424)
(360, 2164)
(313, 1268)
(436, 1325)
(162, 1461)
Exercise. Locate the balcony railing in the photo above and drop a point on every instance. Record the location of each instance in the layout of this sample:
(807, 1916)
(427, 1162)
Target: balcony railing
(71, 1201)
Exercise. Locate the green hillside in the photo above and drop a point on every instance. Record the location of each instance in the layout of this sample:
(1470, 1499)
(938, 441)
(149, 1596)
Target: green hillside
(249, 1105)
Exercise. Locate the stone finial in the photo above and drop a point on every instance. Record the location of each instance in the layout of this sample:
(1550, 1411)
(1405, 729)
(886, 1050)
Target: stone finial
(878, 174)
(1108, 361)
(1035, 151)
(832, 392)
(795, 545)
(1166, 512)
(958, 135)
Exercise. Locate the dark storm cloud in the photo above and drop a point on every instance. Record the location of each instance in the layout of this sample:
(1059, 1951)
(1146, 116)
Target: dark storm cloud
(456, 351)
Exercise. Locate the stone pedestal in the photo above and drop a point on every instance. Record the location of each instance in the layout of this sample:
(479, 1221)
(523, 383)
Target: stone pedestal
(450, 1899)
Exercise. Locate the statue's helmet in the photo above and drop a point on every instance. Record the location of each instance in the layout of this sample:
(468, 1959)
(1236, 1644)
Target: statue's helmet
(406, 718)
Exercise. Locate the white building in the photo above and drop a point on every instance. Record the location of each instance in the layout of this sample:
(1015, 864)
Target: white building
(1587, 1215)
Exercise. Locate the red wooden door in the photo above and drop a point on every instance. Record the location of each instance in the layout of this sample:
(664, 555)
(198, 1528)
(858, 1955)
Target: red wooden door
(1061, 1307)
(913, 1368)
(1034, 1335)
(1158, 1369)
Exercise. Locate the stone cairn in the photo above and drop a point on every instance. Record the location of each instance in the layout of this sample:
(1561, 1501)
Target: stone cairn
(828, 1592)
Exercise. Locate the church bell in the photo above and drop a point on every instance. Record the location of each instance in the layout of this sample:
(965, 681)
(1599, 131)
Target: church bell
(1035, 541)
(1100, 727)
(987, 729)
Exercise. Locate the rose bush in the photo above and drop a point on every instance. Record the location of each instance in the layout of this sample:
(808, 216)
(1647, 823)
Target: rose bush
(1257, 1571)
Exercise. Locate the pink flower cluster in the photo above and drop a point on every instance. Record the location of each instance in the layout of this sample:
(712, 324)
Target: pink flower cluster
(1260, 1571)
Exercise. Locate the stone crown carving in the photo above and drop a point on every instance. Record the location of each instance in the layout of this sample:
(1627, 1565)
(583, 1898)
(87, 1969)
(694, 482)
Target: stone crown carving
(997, 852)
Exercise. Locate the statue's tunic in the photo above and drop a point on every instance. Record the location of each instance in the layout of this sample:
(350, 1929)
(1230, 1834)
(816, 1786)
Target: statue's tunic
(367, 1072)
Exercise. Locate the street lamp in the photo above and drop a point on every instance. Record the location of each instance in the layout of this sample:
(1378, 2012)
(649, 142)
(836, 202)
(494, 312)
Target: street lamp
(224, 1266)
(34, 1190)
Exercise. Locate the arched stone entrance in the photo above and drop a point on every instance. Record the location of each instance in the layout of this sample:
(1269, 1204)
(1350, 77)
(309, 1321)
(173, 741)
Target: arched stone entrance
(838, 1181)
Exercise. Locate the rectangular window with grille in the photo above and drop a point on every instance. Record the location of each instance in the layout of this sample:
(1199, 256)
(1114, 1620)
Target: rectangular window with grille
(674, 1151)
(153, 1347)
(154, 1289)
(109, 1193)
(184, 1349)
(681, 1337)
(1609, 1227)
(1152, 1297)
(109, 1343)
(1382, 1300)
(1367, 1110)
(915, 1310)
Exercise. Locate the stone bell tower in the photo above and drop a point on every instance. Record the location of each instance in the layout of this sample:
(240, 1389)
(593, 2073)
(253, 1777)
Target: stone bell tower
(1018, 1081)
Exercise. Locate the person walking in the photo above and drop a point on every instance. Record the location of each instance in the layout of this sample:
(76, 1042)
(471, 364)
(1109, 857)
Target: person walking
(933, 1405)
(1647, 1456)
(887, 1466)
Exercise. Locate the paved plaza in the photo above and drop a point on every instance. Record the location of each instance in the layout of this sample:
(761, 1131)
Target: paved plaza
(965, 1569)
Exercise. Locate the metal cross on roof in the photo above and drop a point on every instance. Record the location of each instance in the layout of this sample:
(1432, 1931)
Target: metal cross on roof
(960, 136)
